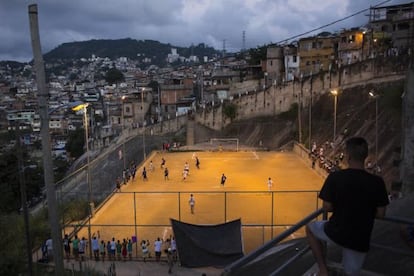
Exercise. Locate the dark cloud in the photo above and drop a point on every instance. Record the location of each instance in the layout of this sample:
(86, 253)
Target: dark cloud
(179, 22)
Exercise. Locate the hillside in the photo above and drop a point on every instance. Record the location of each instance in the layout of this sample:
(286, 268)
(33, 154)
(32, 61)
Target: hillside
(130, 48)
(355, 117)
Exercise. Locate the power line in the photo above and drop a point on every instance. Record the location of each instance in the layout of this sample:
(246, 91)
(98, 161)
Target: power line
(332, 23)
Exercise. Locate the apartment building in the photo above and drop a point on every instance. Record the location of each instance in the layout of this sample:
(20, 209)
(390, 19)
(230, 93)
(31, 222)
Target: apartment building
(316, 53)
(392, 28)
(353, 46)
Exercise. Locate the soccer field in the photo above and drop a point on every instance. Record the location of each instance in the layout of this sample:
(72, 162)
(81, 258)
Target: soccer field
(143, 208)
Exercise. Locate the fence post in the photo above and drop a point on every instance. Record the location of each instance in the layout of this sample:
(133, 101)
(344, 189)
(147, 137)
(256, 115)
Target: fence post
(179, 206)
(225, 207)
(135, 224)
(271, 229)
(263, 235)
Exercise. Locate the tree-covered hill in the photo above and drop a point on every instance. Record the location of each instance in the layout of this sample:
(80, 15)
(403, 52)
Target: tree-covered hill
(130, 48)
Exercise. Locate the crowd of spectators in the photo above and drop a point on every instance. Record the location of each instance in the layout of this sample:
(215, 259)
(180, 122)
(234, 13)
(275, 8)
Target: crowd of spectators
(111, 250)
(326, 157)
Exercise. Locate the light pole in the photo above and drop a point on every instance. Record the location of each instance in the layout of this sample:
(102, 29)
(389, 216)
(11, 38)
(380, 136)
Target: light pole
(122, 133)
(310, 110)
(144, 124)
(300, 109)
(335, 94)
(84, 108)
(55, 228)
(375, 96)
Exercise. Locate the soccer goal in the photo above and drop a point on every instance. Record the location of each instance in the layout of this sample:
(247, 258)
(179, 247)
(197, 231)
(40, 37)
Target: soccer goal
(229, 144)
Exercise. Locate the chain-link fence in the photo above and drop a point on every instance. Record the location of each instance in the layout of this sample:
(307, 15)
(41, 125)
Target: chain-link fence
(146, 215)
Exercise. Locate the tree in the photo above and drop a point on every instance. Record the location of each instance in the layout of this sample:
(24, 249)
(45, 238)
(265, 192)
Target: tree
(230, 111)
(257, 55)
(154, 85)
(114, 76)
(76, 142)
(9, 183)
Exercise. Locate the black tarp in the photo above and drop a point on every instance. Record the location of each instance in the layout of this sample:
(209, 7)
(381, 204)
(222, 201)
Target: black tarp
(211, 245)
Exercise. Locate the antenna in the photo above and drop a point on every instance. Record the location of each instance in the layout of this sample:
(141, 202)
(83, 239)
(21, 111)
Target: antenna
(244, 42)
(224, 47)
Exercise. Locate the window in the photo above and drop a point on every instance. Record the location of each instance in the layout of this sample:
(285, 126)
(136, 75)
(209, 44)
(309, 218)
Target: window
(351, 38)
(403, 26)
(295, 59)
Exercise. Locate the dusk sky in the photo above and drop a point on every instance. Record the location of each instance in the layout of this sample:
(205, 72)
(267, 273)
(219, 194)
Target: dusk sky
(178, 22)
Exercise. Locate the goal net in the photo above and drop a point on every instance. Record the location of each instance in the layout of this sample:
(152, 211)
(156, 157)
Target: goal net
(228, 144)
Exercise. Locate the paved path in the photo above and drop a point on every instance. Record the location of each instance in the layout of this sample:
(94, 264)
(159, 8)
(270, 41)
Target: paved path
(134, 268)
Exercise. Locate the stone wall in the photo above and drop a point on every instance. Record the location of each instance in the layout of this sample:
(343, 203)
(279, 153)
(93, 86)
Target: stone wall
(277, 99)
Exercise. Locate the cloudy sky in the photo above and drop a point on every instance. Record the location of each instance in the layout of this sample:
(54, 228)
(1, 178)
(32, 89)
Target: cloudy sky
(179, 22)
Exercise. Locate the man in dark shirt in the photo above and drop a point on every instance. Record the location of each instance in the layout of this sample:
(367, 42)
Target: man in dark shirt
(355, 198)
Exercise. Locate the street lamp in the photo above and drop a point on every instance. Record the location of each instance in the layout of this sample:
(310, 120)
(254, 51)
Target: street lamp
(335, 94)
(375, 97)
(143, 132)
(84, 108)
(122, 133)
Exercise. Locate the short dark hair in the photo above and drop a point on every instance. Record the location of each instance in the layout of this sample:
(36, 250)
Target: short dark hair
(357, 148)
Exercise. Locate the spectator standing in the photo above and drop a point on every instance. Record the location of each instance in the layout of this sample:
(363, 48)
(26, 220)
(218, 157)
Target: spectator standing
(49, 246)
(118, 248)
(129, 249)
(108, 250)
(174, 249)
(124, 250)
(118, 184)
(66, 245)
(355, 197)
(75, 247)
(102, 248)
(144, 174)
(157, 249)
(82, 248)
(170, 260)
(145, 250)
(95, 248)
(113, 249)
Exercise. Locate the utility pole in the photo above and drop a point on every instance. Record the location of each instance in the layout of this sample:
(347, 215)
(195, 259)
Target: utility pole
(42, 97)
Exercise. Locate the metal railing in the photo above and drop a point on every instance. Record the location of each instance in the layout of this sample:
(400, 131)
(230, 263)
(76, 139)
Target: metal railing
(235, 266)
(246, 259)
